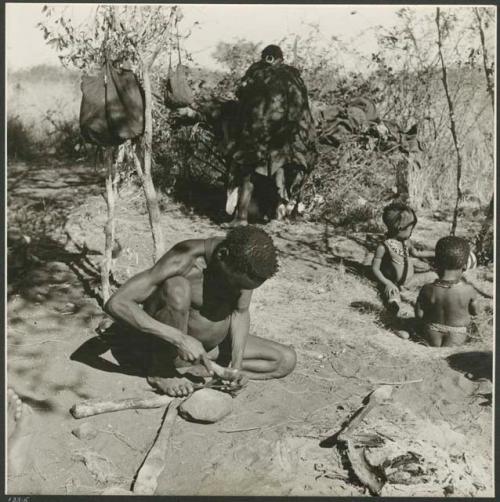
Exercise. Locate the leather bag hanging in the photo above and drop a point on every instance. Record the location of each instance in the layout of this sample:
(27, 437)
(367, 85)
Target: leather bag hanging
(112, 108)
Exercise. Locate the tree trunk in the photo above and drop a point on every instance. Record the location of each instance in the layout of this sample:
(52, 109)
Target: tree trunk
(109, 227)
(485, 242)
(451, 113)
(487, 71)
(145, 173)
(484, 239)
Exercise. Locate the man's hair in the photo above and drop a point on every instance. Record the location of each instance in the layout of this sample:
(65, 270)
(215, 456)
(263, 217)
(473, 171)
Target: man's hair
(397, 216)
(273, 51)
(251, 251)
(452, 253)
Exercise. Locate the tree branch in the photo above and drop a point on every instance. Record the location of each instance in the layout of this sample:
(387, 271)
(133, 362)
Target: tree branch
(487, 73)
(451, 115)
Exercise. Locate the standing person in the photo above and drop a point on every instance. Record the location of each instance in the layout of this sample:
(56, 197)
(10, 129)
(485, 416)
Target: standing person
(277, 137)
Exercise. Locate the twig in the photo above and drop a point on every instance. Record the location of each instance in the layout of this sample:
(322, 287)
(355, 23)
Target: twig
(268, 426)
(451, 115)
(385, 436)
(284, 387)
(321, 408)
(311, 436)
(241, 430)
(404, 382)
(120, 437)
(37, 470)
(36, 343)
(331, 380)
(344, 375)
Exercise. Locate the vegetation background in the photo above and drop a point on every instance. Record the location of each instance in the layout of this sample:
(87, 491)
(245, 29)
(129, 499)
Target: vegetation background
(56, 211)
(403, 77)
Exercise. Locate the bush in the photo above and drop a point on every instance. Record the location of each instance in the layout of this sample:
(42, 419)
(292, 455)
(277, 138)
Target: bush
(46, 101)
(64, 138)
(349, 185)
(20, 143)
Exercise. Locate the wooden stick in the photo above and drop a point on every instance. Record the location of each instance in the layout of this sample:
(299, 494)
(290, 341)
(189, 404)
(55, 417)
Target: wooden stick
(403, 382)
(376, 397)
(147, 477)
(93, 407)
(362, 469)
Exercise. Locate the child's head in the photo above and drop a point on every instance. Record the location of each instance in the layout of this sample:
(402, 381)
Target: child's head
(400, 220)
(248, 257)
(452, 253)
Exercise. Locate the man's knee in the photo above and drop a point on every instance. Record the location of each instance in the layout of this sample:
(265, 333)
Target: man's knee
(287, 361)
(178, 293)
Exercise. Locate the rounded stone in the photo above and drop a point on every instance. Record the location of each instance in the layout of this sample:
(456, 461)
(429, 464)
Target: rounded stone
(206, 406)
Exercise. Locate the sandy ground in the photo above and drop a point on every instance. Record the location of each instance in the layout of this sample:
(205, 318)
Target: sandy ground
(273, 443)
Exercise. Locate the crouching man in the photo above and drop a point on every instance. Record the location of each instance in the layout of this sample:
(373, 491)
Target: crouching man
(193, 305)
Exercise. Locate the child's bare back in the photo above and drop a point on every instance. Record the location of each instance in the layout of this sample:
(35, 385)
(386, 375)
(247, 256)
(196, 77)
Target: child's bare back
(448, 305)
(445, 306)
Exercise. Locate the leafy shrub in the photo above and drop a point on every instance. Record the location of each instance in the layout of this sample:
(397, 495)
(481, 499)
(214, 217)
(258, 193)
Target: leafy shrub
(20, 143)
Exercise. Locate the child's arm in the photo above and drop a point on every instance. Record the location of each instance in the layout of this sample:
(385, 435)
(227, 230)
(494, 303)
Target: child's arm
(377, 260)
(419, 305)
(473, 305)
(420, 253)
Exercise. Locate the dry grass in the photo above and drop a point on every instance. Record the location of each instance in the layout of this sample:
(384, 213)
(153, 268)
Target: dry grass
(45, 101)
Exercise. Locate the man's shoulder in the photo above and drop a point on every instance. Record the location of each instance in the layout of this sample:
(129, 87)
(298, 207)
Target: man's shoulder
(291, 69)
(210, 244)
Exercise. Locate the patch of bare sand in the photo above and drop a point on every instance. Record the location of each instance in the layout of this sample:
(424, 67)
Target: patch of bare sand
(321, 303)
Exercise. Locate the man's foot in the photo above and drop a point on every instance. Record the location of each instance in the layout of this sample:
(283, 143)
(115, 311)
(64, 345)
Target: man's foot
(235, 223)
(281, 213)
(403, 334)
(21, 430)
(172, 386)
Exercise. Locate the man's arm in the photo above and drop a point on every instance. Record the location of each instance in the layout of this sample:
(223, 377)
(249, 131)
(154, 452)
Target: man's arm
(124, 305)
(240, 328)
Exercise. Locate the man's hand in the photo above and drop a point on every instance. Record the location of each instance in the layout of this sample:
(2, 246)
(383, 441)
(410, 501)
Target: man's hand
(193, 351)
(231, 377)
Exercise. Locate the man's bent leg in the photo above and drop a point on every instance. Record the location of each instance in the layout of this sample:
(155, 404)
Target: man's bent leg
(244, 198)
(264, 359)
(170, 305)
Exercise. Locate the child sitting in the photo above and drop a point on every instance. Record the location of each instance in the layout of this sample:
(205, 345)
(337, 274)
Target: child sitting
(444, 307)
(391, 264)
